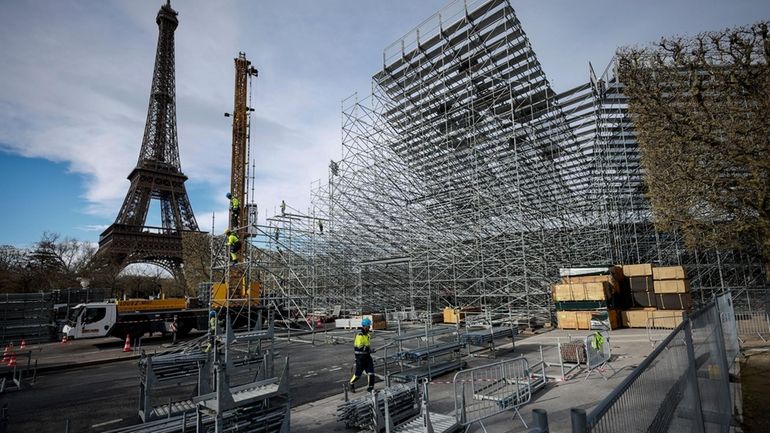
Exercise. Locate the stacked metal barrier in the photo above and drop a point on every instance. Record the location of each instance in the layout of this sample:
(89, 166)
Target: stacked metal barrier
(416, 355)
(256, 419)
(360, 412)
(26, 316)
(486, 337)
(174, 370)
(428, 360)
(425, 421)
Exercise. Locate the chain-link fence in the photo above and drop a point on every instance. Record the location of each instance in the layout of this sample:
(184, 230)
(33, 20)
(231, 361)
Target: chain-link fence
(683, 385)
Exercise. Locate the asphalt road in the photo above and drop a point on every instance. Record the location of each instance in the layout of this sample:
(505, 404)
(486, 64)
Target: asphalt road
(105, 396)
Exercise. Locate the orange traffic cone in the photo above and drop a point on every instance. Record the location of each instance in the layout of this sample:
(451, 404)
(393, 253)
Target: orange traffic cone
(127, 346)
(23, 345)
(5, 354)
(319, 323)
(12, 360)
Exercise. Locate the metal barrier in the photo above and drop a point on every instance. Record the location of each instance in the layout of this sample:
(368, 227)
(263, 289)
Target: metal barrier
(752, 324)
(598, 353)
(488, 390)
(683, 385)
(660, 326)
(729, 327)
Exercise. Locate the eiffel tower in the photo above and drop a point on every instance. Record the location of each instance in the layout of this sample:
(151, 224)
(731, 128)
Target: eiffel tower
(157, 176)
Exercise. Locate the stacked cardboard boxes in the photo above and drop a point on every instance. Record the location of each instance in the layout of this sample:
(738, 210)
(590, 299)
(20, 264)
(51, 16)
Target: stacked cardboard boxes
(657, 296)
(587, 301)
(672, 296)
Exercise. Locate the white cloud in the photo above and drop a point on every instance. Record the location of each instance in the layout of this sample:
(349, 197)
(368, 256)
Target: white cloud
(74, 85)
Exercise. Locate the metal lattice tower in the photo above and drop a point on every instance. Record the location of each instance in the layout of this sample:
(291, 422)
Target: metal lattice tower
(157, 175)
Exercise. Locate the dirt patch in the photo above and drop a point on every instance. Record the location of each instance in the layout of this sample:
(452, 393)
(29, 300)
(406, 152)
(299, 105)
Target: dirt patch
(755, 387)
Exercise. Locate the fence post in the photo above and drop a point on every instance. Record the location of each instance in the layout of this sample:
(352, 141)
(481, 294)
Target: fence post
(693, 378)
(723, 365)
(579, 420)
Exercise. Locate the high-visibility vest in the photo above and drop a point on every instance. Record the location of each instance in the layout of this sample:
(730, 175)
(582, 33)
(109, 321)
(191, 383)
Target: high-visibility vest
(235, 203)
(597, 341)
(232, 239)
(361, 344)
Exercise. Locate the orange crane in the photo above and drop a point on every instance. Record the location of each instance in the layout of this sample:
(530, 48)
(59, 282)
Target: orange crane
(243, 70)
(237, 279)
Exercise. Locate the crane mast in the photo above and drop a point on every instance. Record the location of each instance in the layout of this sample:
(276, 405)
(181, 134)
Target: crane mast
(243, 69)
(239, 285)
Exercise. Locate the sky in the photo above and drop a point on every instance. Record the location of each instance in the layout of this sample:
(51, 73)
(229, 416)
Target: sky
(75, 82)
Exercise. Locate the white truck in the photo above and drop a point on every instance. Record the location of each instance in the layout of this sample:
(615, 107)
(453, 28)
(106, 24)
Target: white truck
(133, 317)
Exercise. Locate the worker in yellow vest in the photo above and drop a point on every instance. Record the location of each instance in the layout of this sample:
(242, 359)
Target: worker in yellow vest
(235, 245)
(235, 209)
(363, 351)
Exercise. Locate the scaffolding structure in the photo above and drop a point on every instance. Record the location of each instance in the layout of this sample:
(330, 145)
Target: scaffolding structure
(466, 180)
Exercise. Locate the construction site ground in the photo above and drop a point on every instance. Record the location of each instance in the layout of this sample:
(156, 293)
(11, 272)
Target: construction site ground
(94, 383)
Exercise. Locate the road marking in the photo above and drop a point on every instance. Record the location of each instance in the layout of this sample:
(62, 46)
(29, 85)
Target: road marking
(107, 423)
(335, 369)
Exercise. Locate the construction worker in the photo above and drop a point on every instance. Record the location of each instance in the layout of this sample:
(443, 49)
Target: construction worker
(283, 207)
(235, 209)
(363, 351)
(235, 245)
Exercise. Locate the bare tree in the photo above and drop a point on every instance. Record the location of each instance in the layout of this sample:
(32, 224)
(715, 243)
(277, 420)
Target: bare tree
(196, 253)
(701, 108)
(56, 262)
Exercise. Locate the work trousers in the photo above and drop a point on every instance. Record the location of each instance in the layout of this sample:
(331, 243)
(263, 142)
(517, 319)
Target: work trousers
(364, 362)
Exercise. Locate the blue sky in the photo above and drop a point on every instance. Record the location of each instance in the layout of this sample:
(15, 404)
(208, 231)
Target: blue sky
(75, 81)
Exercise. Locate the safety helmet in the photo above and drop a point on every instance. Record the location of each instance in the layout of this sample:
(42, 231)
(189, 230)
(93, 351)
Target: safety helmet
(228, 195)
(227, 231)
(366, 322)
(212, 313)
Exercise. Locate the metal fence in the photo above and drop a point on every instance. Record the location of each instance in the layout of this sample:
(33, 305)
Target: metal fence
(683, 385)
(598, 353)
(752, 324)
(488, 390)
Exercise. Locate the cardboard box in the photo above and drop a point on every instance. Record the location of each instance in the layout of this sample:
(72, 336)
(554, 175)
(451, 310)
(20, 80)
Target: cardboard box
(668, 273)
(600, 319)
(637, 318)
(668, 319)
(452, 315)
(609, 279)
(671, 286)
(574, 319)
(642, 299)
(600, 291)
(641, 284)
(673, 301)
(637, 270)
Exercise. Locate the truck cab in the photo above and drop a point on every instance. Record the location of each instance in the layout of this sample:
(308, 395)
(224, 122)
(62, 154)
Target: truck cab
(94, 319)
